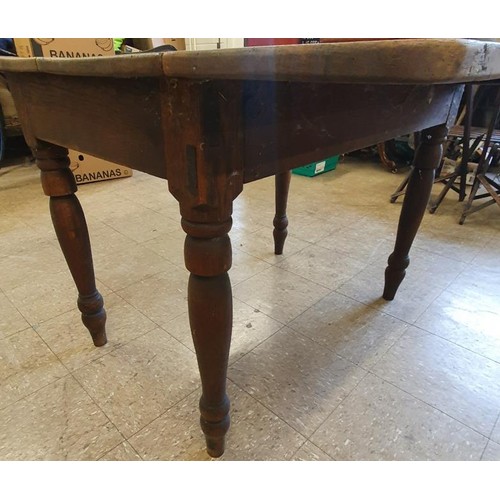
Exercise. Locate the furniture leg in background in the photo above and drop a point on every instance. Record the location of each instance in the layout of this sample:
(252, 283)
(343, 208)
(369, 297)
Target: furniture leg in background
(71, 230)
(481, 180)
(461, 170)
(280, 222)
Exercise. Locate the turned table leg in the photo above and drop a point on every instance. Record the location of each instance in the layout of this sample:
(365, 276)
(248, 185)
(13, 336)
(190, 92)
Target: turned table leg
(207, 253)
(418, 192)
(280, 222)
(204, 148)
(71, 230)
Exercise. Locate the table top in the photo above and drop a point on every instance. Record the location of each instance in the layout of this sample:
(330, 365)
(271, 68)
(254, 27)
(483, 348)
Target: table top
(405, 61)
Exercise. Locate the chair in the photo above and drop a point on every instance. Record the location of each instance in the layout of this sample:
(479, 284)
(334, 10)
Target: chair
(459, 146)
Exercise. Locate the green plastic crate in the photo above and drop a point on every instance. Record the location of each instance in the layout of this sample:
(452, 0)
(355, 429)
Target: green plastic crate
(317, 168)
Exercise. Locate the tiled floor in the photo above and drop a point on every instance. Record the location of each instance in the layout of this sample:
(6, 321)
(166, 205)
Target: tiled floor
(320, 369)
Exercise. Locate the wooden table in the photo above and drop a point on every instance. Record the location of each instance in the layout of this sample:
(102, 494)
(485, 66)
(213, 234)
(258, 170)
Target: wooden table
(209, 122)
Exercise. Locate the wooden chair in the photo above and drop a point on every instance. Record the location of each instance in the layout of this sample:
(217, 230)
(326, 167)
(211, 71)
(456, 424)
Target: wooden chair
(488, 159)
(460, 136)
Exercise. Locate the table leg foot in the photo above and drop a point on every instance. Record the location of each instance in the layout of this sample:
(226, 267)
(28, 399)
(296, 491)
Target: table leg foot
(427, 159)
(215, 424)
(94, 317)
(280, 222)
(394, 275)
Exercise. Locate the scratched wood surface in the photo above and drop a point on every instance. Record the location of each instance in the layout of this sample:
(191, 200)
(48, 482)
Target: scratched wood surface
(378, 61)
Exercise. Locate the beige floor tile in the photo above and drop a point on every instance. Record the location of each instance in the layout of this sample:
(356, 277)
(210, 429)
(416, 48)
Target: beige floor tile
(353, 330)
(279, 293)
(161, 297)
(245, 266)
(250, 328)
(122, 453)
(441, 270)
(462, 384)
(58, 422)
(170, 246)
(309, 452)
(40, 299)
(252, 214)
(26, 365)
(469, 322)
(255, 433)
(9, 226)
(479, 286)
(137, 244)
(139, 381)
(36, 262)
(377, 421)
(323, 266)
(104, 203)
(451, 239)
(297, 379)
(260, 244)
(413, 297)
(106, 241)
(129, 265)
(142, 224)
(492, 452)
(11, 321)
(312, 226)
(360, 241)
(487, 257)
(71, 342)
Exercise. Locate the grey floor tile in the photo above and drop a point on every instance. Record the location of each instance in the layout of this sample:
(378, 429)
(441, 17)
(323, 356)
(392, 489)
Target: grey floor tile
(377, 421)
(299, 380)
(413, 297)
(43, 297)
(279, 294)
(464, 320)
(122, 453)
(361, 241)
(130, 265)
(260, 244)
(161, 297)
(355, 331)
(58, 422)
(255, 433)
(68, 338)
(139, 381)
(342, 218)
(26, 365)
(454, 380)
(310, 453)
(323, 266)
(495, 434)
(11, 320)
(492, 452)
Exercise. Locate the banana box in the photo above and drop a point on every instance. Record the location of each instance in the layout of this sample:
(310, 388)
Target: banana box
(64, 47)
(85, 168)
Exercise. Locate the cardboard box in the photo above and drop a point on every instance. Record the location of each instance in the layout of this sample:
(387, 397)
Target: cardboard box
(86, 168)
(64, 47)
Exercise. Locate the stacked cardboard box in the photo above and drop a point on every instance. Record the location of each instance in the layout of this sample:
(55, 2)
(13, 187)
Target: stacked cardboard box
(86, 168)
